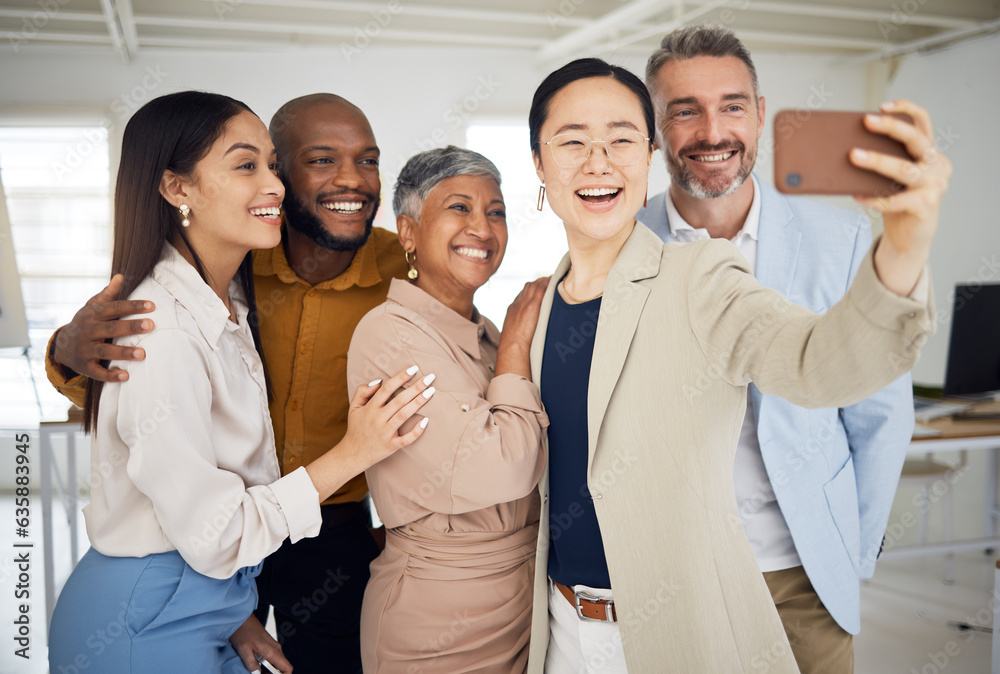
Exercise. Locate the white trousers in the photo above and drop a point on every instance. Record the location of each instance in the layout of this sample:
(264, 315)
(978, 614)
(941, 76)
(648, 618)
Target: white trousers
(581, 646)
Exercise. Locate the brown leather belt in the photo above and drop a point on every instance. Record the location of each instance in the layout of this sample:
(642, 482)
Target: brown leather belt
(589, 607)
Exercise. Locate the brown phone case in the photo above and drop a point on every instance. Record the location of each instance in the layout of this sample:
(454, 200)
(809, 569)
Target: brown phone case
(811, 150)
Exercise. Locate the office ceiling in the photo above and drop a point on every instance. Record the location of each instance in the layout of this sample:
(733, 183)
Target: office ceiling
(555, 30)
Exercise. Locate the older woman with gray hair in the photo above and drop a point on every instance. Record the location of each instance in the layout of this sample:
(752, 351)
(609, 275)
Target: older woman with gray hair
(451, 592)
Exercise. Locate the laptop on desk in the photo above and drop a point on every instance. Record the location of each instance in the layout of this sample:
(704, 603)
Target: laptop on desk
(973, 370)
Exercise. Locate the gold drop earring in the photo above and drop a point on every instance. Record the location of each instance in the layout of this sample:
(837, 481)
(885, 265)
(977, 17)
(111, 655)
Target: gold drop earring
(412, 273)
(541, 196)
(185, 211)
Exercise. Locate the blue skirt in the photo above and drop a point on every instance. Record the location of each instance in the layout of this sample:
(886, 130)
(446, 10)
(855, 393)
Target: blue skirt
(148, 614)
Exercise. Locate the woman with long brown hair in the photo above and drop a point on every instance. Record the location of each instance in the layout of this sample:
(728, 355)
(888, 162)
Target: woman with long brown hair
(186, 497)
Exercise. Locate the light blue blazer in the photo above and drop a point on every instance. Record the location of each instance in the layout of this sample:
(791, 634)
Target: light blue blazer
(834, 471)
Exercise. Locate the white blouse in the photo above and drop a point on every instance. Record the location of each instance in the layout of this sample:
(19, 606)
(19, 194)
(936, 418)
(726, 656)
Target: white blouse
(183, 455)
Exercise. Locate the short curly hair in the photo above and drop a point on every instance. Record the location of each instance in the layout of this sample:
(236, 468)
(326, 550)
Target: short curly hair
(422, 173)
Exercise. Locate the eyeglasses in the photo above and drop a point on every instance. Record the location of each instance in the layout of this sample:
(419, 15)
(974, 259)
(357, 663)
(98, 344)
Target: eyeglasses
(623, 147)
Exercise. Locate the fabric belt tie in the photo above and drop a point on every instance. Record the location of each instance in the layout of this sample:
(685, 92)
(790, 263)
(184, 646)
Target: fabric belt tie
(434, 555)
(589, 607)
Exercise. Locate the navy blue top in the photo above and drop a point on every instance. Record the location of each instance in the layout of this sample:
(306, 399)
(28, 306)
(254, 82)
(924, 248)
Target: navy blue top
(576, 551)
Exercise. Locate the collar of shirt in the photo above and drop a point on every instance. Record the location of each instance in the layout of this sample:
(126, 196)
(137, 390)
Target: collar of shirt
(183, 281)
(466, 333)
(680, 230)
(362, 272)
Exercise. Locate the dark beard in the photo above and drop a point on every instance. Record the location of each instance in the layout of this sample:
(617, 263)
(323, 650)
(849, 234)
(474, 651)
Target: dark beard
(303, 221)
(687, 181)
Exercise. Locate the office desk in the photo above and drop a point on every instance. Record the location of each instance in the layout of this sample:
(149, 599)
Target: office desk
(958, 434)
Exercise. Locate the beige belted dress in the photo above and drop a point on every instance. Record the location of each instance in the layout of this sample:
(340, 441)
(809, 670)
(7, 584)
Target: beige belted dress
(451, 592)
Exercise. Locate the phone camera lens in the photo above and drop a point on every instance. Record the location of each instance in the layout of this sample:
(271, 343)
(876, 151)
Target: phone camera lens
(793, 180)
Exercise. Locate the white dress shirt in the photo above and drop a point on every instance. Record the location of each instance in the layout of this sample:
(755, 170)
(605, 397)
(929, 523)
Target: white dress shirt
(183, 456)
(763, 522)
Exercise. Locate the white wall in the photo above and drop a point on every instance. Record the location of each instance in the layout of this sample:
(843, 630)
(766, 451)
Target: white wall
(415, 97)
(422, 97)
(960, 86)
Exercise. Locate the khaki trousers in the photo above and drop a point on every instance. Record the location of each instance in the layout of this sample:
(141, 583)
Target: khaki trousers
(819, 644)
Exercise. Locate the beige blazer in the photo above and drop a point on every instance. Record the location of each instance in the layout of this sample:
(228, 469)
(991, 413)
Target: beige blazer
(683, 328)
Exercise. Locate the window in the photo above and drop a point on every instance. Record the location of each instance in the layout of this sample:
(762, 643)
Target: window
(536, 239)
(58, 188)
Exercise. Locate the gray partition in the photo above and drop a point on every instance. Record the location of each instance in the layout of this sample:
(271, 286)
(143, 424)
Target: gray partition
(13, 324)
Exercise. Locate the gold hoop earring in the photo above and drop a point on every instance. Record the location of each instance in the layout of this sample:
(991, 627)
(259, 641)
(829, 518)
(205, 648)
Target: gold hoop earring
(412, 273)
(541, 196)
(185, 211)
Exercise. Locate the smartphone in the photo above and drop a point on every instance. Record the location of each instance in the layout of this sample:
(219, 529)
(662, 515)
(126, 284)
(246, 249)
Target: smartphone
(811, 150)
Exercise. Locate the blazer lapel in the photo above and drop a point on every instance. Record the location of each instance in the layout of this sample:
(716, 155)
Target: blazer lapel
(654, 216)
(621, 308)
(778, 240)
(535, 353)
(777, 252)
(538, 340)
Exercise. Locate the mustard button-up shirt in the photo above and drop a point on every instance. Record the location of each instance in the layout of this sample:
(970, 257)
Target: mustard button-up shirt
(306, 331)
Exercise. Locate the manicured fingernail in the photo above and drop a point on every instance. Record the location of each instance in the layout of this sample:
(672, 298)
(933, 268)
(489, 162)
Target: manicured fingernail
(121, 377)
(888, 105)
(375, 382)
(428, 379)
(859, 153)
(424, 421)
(146, 325)
(429, 392)
(412, 371)
(873, 118)
(137, 353)
(147, 305)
